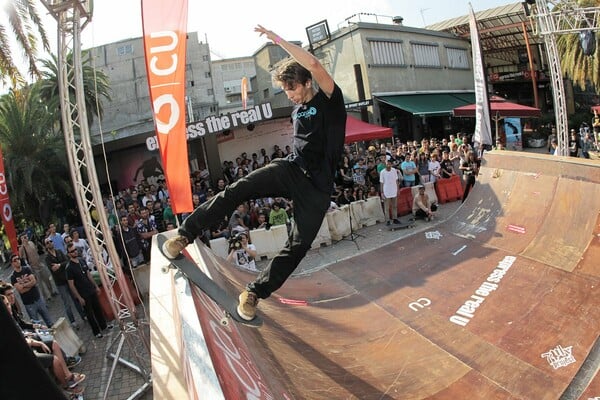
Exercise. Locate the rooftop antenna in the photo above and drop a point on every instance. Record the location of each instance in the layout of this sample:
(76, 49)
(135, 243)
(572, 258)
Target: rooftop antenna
(422, 11)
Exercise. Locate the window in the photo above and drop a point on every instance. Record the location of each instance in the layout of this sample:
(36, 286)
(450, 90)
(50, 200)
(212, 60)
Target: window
(457, 58)
(426, 55)
(210, 92)
(205, 58)
(207, 74)
(386, 52)
(266, 93)
(125, 49)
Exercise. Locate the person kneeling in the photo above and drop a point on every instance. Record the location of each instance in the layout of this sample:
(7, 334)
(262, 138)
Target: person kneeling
(422, 208)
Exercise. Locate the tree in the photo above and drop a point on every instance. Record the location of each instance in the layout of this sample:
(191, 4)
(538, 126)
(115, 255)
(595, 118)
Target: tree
(22, 17)
(34, 155)
(580, 68)
(95, 85)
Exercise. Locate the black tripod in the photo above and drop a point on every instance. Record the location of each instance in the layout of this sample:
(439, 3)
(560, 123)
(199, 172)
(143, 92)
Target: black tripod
(352, 237)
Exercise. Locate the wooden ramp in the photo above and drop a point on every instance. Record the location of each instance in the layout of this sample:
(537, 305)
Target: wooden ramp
(500, 302)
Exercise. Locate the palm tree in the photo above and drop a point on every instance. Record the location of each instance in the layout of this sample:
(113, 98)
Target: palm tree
(34, 154)
(22, 17)
(95, 85)
(580, 68)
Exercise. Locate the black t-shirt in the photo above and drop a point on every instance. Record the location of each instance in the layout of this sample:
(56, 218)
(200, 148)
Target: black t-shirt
(33, 294)
(77, 272)
(319, 132)
(446, 168)
(60, 277)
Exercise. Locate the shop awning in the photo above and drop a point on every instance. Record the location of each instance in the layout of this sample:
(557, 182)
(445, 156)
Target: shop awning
(429, 104)
(500, 107)
(359, 131)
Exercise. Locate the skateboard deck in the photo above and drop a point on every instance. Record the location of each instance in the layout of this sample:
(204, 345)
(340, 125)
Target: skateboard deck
(228, 303)
(403, 225)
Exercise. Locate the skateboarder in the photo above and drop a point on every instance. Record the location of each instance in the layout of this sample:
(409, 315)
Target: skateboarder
(305, 176)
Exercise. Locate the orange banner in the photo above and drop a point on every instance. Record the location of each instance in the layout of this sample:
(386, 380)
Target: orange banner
(7, 215)
(165, 31)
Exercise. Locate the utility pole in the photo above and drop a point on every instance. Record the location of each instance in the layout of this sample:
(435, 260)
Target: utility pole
(72, 16)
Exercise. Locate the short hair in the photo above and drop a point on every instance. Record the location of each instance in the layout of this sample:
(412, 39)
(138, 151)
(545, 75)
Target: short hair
(291, 73)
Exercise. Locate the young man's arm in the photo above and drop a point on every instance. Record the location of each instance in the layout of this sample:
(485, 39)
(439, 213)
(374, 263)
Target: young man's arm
(307, 60)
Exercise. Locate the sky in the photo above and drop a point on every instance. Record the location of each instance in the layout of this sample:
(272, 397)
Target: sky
(229, 29)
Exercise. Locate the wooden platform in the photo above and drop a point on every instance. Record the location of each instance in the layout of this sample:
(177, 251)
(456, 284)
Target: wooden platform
(499, 302)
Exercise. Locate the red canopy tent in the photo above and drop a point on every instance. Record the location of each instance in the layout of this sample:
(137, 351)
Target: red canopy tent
(500, 107)
(358, 131)
(596, 109)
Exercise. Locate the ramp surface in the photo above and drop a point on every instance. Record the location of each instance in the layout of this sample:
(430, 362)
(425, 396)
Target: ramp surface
(499, 302)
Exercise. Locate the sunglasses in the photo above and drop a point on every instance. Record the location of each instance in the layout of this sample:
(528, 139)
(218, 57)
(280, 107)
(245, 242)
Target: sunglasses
(72, 251)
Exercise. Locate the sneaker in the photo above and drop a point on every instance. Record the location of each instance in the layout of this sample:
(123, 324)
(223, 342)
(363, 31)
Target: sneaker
(74, 380)
(99, 335)
(73, 361)
(109, 326)
(247, 306)
(172, 247)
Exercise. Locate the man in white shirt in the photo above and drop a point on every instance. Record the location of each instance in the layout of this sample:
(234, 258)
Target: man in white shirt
(389, 180)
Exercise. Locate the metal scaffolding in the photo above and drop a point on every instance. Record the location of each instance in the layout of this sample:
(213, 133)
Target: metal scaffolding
(72, 16)
(553, 18)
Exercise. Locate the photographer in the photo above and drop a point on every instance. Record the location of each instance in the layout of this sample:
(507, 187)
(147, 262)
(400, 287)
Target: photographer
(241, 252)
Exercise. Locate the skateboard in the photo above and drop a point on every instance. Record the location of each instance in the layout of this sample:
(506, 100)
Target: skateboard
(402, 225)
(228, 303)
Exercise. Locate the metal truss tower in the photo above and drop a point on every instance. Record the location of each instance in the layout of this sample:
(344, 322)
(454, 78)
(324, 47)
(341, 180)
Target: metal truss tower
(557, 17)
(72, 16)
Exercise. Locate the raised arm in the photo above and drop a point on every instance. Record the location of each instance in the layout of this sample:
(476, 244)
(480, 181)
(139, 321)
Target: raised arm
(307, 60)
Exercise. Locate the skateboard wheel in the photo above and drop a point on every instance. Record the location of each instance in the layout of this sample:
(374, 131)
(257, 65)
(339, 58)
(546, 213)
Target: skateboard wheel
(224, 321)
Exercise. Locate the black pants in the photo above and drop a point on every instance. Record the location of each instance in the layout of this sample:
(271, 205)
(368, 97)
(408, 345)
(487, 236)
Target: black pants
(94, 313)
(279, 178)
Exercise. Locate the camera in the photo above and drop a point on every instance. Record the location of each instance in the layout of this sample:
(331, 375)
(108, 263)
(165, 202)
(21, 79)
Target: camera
(235, 243)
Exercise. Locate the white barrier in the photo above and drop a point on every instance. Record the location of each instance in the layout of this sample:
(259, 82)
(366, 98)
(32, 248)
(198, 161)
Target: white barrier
(68, 340)
(339, 222)
(356, 208)
(220, 246)
(372, 211)
(323, 236)
(269, 243)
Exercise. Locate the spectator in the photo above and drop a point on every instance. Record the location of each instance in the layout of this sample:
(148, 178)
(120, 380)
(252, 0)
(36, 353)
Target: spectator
(52, 358)
(278, 216)
(128, 245)
(28, 252)
(24, 281)
(373, 192)
(346, 197)
(80, 244)
(446, 168)
(57, 262)
(422, 207)
(56, 237)
(236, 222)
(390, 181)
(146, 228)
(470, 169)
(423, 168)
(242, 253)
(409, 170)
(434, 168)
(157, 213)
(86, 291)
